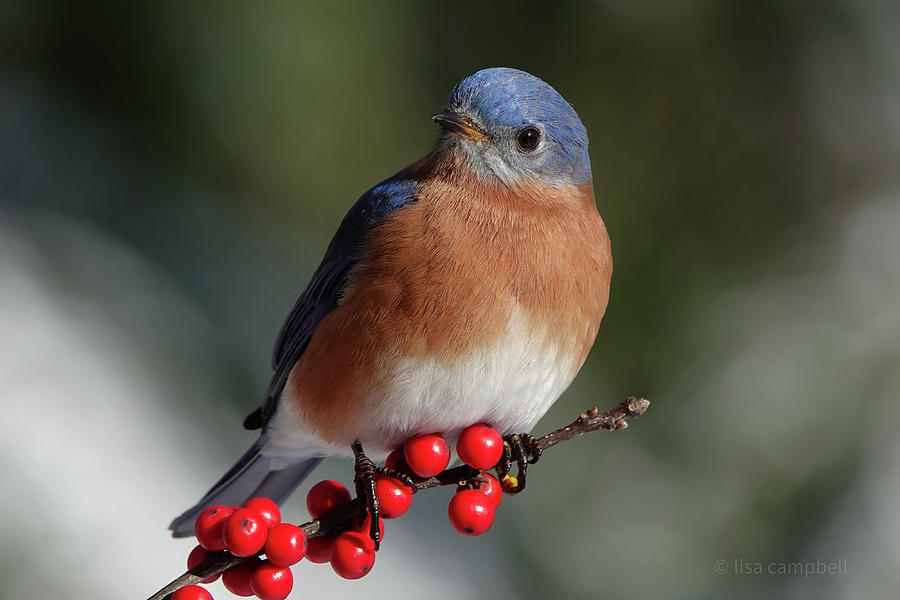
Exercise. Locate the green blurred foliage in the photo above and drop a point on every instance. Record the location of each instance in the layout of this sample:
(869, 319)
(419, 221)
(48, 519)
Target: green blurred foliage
(285, 113)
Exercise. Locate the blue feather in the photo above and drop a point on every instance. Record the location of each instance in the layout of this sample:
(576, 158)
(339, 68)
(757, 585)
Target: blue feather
(253, 474)
(502, 97)
(326, 287)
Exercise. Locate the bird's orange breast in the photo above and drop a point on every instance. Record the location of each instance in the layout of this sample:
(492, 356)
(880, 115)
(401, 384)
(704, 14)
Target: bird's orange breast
(441, 278)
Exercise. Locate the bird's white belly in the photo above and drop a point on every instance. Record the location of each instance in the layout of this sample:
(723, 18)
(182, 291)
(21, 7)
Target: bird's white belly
(509, 386)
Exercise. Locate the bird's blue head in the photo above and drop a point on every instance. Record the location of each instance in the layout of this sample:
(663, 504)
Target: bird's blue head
(514, 126)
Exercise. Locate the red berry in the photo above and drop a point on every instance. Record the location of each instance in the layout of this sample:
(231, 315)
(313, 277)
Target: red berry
(353, 555)
(325, 496)
(396, 461)
(318, 549)
(269, 582)
(285, 545)
(197, 556)
(393, 496)
(191, 592)
(267, 509)
(237, 578)
(427, 454)
(471, 512)
(490, 487)
(480, 446)
(208, 527)
(244, 533)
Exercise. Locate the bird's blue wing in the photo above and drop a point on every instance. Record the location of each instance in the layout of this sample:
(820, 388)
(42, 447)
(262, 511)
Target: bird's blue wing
(326, 287)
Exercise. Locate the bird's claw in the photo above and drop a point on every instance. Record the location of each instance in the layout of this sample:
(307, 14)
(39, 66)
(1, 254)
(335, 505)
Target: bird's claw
(364, 480)
(523, 449)
(531, 447)
(404, 478)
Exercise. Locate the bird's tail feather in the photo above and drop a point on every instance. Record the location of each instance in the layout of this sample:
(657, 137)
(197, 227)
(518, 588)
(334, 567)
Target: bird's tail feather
(252, 475)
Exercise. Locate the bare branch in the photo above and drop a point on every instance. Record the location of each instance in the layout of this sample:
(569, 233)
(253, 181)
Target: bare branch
(592, 420)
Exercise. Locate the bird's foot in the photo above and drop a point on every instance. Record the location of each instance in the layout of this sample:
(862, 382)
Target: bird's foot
(523, 449)
(364, 480)
(404, 478)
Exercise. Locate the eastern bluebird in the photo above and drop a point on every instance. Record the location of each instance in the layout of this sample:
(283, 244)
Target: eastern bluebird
(466, 288)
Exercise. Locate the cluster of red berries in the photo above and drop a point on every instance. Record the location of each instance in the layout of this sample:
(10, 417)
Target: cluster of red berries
(471, 510)
(246, 531)
(256, 528)
(352, 553)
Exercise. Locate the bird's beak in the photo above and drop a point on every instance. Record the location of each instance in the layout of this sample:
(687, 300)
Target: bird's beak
(460, 125)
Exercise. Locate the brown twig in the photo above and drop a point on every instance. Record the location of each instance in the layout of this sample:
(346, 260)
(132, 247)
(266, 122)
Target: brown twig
(592, 420)
(341, 518)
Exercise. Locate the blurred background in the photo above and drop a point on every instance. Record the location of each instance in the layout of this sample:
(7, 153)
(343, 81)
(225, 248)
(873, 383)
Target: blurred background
(171, 172)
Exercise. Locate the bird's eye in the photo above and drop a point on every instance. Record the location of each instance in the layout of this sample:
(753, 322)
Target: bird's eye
(528, 139)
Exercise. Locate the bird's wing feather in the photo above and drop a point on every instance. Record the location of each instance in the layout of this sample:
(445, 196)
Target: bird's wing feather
(324, 291)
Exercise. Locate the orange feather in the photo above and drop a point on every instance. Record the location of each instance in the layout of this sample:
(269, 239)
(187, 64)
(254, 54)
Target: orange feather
(440, 278)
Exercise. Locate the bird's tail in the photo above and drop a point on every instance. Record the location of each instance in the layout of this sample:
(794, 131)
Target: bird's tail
(251, 476)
